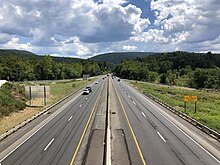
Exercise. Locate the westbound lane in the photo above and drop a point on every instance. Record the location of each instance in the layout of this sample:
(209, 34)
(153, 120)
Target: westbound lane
(163, 140)
(56, 141)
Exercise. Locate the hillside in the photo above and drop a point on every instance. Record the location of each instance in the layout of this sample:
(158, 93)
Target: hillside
(27, 54)
(116, 58)
(17, 65)
(199, 70)
(18, 53)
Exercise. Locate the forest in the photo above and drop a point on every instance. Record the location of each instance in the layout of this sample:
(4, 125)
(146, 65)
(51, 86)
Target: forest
(15, 68)
(198, 70)
(25, 66)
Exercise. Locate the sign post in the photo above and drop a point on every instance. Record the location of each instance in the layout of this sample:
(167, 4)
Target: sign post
(45, 96)
(193, 99)
(30, 94)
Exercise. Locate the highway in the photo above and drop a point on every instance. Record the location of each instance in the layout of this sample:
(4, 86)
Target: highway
(56, 140)
(142, 132)
(160, 137)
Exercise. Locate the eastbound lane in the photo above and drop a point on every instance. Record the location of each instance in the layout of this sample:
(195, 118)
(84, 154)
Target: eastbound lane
(56, 141)
(162, 139)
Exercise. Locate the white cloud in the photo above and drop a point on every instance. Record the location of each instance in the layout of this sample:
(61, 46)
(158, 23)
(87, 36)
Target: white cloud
(13, 44)
(82, 28)
(89, 21)
(129, 47)
(111, 2)
(197, 20)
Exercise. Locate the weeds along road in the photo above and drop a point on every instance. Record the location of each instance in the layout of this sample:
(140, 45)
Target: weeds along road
(141, 131)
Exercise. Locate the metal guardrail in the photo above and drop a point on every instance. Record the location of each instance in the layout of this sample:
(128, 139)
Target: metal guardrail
(19, 126)
(194, 122)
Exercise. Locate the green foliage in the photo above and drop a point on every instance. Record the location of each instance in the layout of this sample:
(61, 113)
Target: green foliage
(133, 70)
(197, 70)
(153, 76)
(92, 68)
(208, 104)
(116, 58)
(16, 66)
(165, 66)
(206, 78)
(8, 102)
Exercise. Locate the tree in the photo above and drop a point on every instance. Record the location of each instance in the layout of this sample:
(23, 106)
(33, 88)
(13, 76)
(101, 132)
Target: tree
(1, 71)
(171, 77)
(199, 77)
(213, 78)
(92, 68)
(163, 78)
(152, 76)
(73, 70)
(45, 67)
(165, 66)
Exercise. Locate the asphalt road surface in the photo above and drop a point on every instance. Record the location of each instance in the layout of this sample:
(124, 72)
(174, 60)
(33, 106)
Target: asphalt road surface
(56, 140)
(160, 137)
(142, 132)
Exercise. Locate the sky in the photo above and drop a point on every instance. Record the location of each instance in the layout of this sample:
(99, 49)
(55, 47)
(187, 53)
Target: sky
(84, 28)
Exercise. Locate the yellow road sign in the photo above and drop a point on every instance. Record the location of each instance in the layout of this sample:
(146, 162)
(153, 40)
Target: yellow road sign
(190, 98)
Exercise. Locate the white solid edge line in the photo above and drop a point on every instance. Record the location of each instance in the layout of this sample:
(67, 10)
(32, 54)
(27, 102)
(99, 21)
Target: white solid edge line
(161, 137)
(143, 114)
(48, 144)
(178, 127)
(70, 118)
(62, 108)
(25, 140)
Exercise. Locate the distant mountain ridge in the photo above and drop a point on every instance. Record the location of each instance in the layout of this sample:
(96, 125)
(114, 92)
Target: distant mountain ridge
(27, 54)
(110, 58)
(116, 58)
(14, 52)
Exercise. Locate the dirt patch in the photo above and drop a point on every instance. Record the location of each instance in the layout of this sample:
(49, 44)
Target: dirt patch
(8, 122)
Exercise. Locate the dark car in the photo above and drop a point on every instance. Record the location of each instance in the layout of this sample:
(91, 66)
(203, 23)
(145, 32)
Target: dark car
(89, 88)
(119, 79)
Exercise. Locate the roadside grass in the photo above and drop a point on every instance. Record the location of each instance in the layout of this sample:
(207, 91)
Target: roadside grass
(182, 81)
(58, 90)
(208, 105)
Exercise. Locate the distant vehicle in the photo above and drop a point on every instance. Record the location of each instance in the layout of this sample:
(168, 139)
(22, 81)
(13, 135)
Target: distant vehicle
(86, 92)
(2, 82)
(96, 82)
(89, 88)
(119, 79)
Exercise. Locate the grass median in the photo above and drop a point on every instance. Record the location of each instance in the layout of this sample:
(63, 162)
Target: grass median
(58, 90)
(208, 105)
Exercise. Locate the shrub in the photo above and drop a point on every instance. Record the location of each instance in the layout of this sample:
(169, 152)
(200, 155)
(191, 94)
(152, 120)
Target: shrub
(8, 102)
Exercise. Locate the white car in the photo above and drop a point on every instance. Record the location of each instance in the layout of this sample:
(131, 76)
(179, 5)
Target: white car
(96, 82)
(86, 92)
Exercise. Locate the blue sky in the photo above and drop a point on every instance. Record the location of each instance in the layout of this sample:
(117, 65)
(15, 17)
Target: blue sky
(84, 28)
